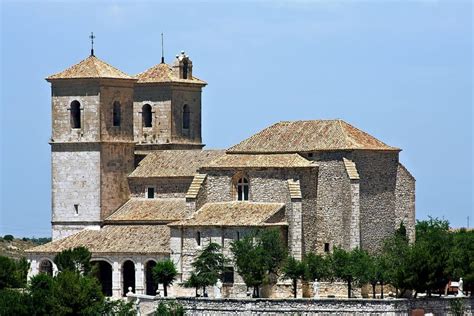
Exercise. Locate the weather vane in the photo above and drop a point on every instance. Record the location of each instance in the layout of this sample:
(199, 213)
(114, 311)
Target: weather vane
(92, 43)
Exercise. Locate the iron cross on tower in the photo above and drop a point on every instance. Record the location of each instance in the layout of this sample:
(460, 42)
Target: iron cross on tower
(92, 43)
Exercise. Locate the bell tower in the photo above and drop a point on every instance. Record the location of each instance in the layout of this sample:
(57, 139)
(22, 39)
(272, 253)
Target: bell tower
(92, 146)
(167, 107)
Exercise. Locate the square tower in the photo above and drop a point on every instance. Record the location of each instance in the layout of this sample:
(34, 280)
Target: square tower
(167, 107)
(92, 146)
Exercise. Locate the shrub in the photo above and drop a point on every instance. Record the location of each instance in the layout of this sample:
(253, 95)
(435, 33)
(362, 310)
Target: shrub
(8, 237)
(169, 309)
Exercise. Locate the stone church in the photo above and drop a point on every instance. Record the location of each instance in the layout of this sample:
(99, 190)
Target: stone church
(132, 182)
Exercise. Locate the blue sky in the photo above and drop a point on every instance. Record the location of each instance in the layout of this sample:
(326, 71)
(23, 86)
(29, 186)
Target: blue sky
(400, 70)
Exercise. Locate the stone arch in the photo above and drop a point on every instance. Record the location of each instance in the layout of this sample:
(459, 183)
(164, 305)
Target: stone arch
(103, 272)
(128, 276)
(46, 266)
(75, 114)
(150, 285)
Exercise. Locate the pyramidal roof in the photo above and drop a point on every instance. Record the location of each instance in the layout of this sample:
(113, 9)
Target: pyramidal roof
(163, 73)
(307, 136)
(91, 67)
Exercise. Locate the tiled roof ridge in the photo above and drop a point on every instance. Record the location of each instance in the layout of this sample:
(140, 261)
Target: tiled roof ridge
(342, 122)
(94, 70)
(163, 73)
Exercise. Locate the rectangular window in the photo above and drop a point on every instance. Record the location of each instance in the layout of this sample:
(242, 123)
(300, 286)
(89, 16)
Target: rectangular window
(326, 247)
(198, 238)
(150, 192)
(238, 235)
(228, 275)
(76, 209)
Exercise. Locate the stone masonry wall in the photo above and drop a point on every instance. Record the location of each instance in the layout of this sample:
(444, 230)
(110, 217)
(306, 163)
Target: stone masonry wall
(332, 224)
(164, 187)
(75, 181)
(190, 96)
(343, 307)
(405, 201)
(117, 161)
(270, 185)
(159, 98)
(378, 174)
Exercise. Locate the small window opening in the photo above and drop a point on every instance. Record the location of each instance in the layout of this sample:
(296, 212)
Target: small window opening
(146, 115)
(186, 116)
(228, 275)
(185, 69)
(238, 236)
(198, 238)
(310, 155)
(76, 208)
(326, 247)
(150, 192)
(116, 113)
(75, 114)
(243, 189)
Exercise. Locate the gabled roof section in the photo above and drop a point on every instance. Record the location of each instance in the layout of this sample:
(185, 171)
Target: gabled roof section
(260, 161)
(163, 73)
(308, 136)
(137, 239)
(141, 210)
(236, 213)
(174, 163)
(91, 67)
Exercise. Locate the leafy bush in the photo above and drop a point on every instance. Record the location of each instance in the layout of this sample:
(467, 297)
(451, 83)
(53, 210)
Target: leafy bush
(13, 273)
(13, 302)
(8, 237)
(169, 309)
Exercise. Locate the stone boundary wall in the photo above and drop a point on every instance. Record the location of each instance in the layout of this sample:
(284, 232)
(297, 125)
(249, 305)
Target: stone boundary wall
(267, 307)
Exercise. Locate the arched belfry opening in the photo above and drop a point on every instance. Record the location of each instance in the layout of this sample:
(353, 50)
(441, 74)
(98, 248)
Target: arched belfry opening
(186, 117)
(146, 116)
(103, 273)
(128, 276)
(150, 284)
(116, 114)
(75, 114)
(46, 266)
(241, 187)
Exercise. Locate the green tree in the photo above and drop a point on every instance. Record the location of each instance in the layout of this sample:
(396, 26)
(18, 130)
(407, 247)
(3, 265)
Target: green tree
(461, 258)
(193, 282)
(78, 294)
(43, 295)
(8, 237)
(257, 256)
(376, 272)
(76, 259)
(317, 267)
(7, 272)
(21, 271)
(13, 302)
(165, 272)
(350, 266)
(294, 270)
(208, 266)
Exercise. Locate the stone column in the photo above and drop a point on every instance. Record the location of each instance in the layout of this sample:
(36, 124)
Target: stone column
(116, 280)
(139, 278)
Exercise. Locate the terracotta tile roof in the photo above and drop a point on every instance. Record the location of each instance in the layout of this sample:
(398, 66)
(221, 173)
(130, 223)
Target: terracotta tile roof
(149, 210)
(114, 239)
(294, 188)
(236, 213)
(260, 161)
(308, 136)
(91, 67)
(174, 163)
(163, 73)
(195, 186)
(351, 169)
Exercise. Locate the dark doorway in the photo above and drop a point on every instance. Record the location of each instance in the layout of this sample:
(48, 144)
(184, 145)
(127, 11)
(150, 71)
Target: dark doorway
(128, 275)
(46, 267)
(103, 272)
(151, 286)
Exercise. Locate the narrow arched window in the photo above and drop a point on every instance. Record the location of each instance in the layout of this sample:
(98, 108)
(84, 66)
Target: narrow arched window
(186, 116)
(116, 114)
(75, 114)
(146, 115)
(243, 189)
(185, 69)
